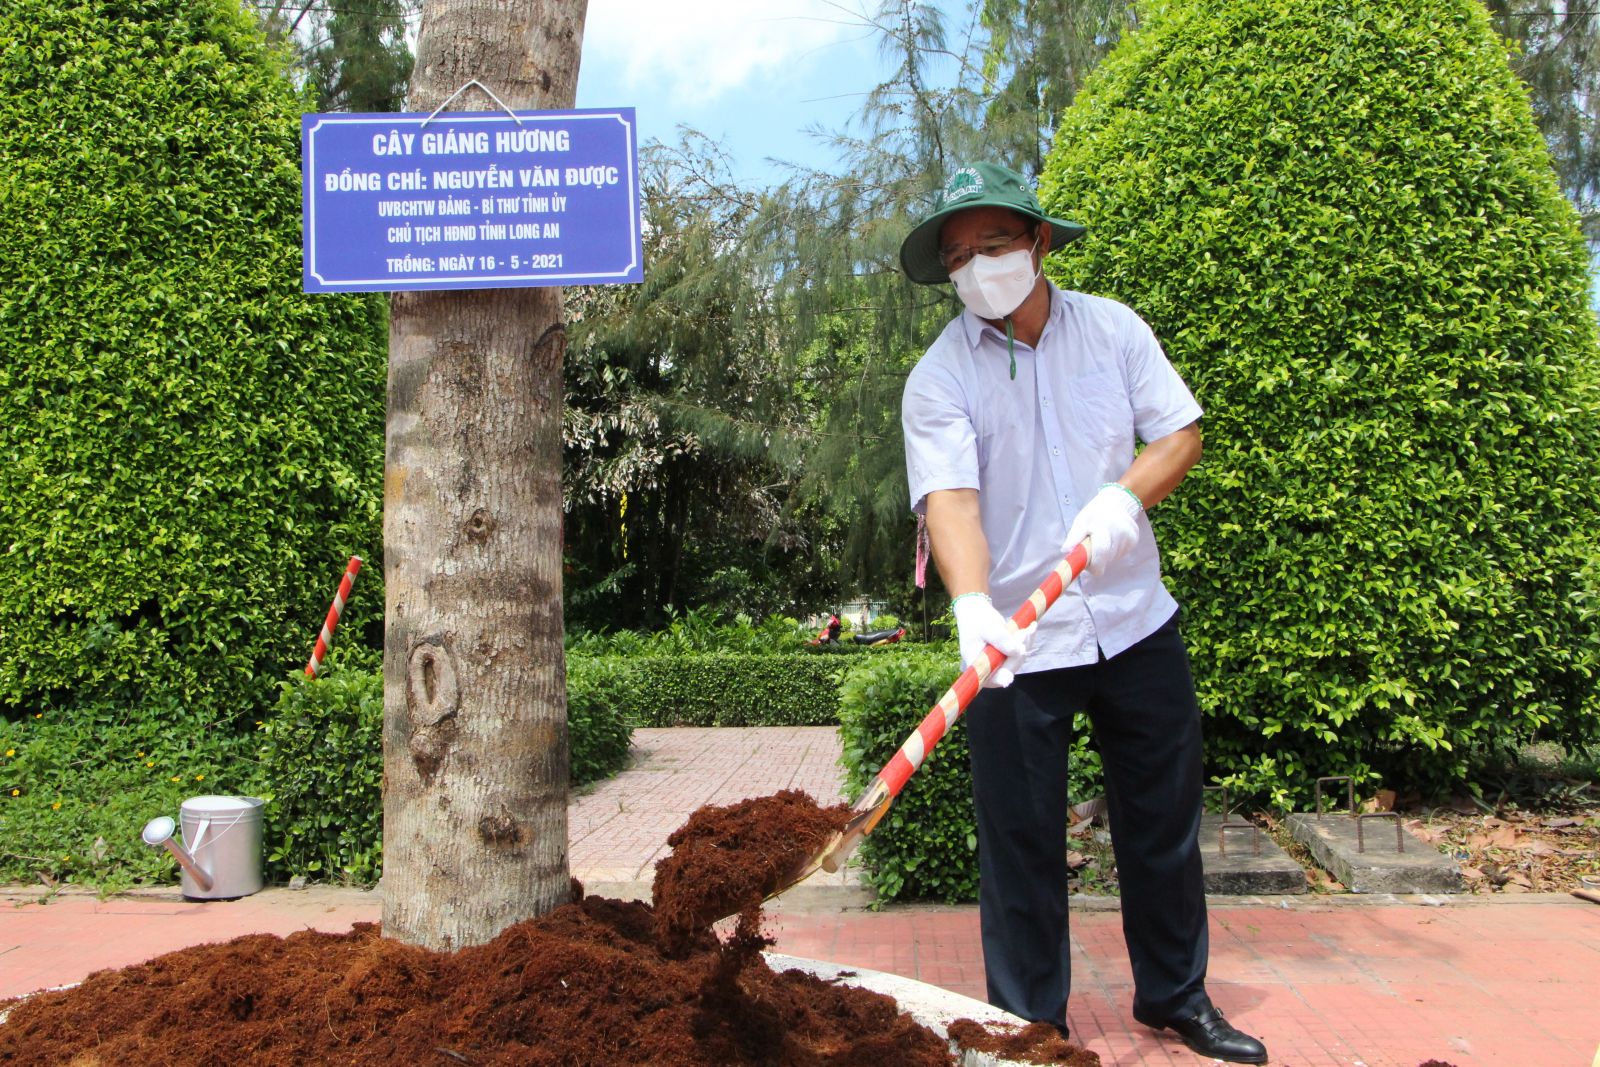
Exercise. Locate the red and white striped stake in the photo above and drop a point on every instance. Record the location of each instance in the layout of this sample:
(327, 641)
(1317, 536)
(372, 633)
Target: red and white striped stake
(325, 638)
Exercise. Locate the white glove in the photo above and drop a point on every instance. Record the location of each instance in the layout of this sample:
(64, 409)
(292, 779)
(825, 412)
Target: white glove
(1111, 523)
(979, 624)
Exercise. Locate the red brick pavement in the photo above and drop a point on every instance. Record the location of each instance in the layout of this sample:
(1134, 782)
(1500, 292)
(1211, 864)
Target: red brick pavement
(1330, 981)
(1333, 983)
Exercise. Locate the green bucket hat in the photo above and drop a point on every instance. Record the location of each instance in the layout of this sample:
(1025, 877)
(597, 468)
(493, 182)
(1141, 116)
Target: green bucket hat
(978, 185)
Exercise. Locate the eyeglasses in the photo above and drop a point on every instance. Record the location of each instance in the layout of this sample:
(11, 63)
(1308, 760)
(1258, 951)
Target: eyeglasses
(957, 256)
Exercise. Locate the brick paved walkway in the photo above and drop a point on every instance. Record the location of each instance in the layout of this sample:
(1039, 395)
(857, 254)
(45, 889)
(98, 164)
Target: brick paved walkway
(617, 831)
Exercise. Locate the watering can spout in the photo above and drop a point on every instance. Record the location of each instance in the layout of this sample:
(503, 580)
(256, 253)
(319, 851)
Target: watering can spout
(158, 833)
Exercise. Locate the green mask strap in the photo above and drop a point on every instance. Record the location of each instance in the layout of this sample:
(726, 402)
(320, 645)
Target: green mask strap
(1011, 347)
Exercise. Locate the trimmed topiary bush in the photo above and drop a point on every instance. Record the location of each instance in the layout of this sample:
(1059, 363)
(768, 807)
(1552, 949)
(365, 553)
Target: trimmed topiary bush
(1340, 220)
(192, 447)
(927, 846)
(696, 632)
(599, 731)
(321, 767)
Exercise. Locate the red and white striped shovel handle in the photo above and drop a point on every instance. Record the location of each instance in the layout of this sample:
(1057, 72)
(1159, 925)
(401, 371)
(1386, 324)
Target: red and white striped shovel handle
(950, 707)
(874, 804)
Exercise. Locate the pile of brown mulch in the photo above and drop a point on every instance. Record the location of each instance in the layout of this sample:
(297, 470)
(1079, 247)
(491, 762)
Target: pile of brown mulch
(727, 860)
(594, 982)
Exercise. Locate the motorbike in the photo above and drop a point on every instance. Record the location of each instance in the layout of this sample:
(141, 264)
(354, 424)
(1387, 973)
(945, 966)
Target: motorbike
(879, 637)
(829, 635)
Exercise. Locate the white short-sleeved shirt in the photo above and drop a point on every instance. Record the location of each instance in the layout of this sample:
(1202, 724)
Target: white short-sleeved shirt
(1039, 447)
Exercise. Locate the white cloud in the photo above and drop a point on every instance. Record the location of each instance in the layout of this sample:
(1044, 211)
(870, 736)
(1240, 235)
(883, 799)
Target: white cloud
(699, 50)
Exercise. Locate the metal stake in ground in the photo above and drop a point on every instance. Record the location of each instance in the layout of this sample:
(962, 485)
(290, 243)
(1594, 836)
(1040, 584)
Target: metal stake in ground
(325, 638)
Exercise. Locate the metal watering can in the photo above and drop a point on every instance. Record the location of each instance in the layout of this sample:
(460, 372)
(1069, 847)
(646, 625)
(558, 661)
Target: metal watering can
(223, 857)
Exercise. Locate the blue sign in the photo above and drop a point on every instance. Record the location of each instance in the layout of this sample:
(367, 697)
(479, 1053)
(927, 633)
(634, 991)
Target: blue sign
(470, 200)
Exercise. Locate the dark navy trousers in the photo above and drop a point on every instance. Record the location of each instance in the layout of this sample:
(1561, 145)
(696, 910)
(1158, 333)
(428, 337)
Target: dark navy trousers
(1146, 724)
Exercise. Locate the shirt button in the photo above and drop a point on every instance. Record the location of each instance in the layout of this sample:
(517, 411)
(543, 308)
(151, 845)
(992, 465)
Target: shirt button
(1055, 451)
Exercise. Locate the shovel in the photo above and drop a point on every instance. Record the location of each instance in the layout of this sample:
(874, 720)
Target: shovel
(874, 803)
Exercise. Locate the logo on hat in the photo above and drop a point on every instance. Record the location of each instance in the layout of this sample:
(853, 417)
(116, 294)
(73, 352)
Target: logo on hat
(963, 184)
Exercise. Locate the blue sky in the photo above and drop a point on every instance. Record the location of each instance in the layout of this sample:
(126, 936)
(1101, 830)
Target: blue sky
(752, 75)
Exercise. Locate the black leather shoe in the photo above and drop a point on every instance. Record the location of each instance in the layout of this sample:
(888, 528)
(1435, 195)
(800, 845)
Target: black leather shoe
(1209, 1034)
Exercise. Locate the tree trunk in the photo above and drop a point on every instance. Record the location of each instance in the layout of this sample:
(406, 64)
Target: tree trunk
(475, 738)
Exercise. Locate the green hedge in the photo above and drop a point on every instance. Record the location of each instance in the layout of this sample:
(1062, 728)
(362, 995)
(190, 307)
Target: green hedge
(695, 632)
(927, 846)
(727, 689)
(1341, 221)
(75, 790)
(321, 765)
(598, 729)
(192, 446)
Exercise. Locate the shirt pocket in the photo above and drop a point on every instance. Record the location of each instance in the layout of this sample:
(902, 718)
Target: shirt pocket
(1101, 414)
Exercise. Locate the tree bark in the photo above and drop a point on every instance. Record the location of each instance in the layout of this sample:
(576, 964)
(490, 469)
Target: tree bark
(475, 738)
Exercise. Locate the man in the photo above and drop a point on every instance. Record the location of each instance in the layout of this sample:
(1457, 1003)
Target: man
(1020, 425)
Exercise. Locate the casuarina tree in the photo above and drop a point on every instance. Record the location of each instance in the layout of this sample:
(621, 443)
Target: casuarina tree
(1555, 49)
(1340, 219)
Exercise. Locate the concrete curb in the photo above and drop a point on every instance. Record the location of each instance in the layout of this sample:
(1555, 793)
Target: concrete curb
(929, 1005)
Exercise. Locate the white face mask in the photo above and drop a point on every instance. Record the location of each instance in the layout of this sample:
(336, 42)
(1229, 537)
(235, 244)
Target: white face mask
(993, 287)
